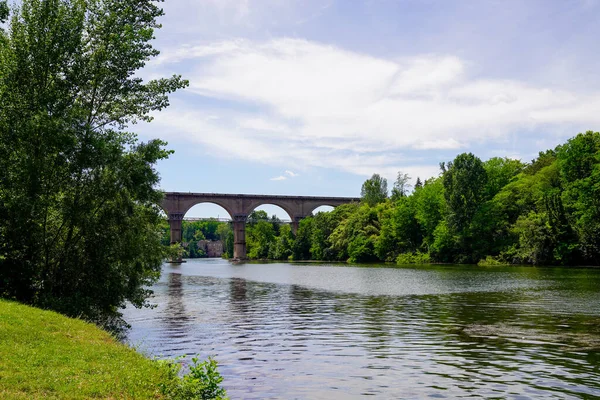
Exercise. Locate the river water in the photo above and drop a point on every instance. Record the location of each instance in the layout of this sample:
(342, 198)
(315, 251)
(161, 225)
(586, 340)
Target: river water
(319, 331)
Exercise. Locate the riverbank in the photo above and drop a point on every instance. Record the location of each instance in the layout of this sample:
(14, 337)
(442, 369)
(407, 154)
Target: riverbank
(44, 355)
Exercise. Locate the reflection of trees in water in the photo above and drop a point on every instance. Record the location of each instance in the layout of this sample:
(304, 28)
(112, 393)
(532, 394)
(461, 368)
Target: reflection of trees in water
(238, 294)
(175, 316)
(380, 324)
(363, 320)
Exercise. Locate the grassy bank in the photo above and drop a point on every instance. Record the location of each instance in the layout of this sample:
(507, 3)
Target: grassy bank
(44, 355)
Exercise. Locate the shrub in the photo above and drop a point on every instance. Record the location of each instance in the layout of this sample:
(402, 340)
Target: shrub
(490, 261)
(413, 258)
(201, 382)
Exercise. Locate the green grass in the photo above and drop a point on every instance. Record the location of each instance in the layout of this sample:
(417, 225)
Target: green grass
(44, 355)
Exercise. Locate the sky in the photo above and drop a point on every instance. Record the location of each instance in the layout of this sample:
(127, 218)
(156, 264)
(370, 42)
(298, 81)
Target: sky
(313, 97)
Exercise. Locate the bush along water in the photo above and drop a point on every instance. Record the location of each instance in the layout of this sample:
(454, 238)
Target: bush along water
(203, 381)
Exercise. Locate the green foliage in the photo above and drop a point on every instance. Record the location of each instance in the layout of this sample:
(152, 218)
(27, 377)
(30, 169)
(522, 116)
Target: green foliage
(400, 230)
(500, 172)
(282, 248)
(225, 234)
(494, 212)
(464, 185)
(79, 225)
(490, 261)
(259, 238)
(202, 382)
(374, 190)
(355, 237)
(4, 12)
(401, 185)
(413, 258)
(430, 208)
(544, 159)
(579, 164)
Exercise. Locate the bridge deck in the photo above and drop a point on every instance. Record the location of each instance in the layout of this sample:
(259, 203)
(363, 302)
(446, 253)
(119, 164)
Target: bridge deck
(263, 196)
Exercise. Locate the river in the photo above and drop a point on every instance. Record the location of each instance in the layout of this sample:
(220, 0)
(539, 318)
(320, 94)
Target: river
(322, 331)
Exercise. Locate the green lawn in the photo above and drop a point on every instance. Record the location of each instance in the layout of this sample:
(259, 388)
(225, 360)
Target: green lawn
(44, 355)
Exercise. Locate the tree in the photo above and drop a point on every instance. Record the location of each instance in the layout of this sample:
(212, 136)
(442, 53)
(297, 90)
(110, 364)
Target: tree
(301, 245)
(418, 183)
(500, 171)
(401, 186)
(259, 239)
(225, 234)
(579, 165)
(282, 248)
(464, 182)
(78, 217)
(374, 190)
(257, 216)
(4, 12)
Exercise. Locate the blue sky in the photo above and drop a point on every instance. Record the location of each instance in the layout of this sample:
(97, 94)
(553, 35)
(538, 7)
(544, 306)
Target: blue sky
(312, 97)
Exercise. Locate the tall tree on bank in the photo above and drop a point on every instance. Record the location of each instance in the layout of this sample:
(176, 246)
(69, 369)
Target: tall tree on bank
(374, 190)
(78, 214)
(401, 186)
(464, 181)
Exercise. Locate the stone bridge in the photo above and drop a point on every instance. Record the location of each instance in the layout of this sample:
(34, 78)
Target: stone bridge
(239, 206)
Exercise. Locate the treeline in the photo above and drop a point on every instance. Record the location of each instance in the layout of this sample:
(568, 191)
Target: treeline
(499, 211)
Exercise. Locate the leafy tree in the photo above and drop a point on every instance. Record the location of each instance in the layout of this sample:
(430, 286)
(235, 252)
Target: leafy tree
(579, 165)
(374, 190)
(257, 216)
(282, 248)
(302, 243)
(78, 221)
(225, 234)
(400, 231)
(429, 209)
(355, 237)
(464, 183)
(4, 12)
(578, 157)
(499, 172)
(544, 159)
(401, 185)
(259, 239)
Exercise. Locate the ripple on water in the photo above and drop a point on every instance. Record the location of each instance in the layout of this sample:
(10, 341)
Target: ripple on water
(297, 331)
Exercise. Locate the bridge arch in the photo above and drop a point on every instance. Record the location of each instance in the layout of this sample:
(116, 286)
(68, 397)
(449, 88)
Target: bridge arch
(257, 204)
(229, 213)
(330, 208)
(187, 206)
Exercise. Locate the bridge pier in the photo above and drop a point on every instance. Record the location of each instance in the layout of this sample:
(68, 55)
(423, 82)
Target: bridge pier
(175, 226)
(175, 219)
(296, 223)
(239, 236)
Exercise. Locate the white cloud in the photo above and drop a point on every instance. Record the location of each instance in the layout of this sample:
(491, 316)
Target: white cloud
(305, 104)
(291, 173)
(278, 178)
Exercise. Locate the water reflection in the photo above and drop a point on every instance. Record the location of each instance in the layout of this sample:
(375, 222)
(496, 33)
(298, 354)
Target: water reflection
(447, 332)
(174, 319)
